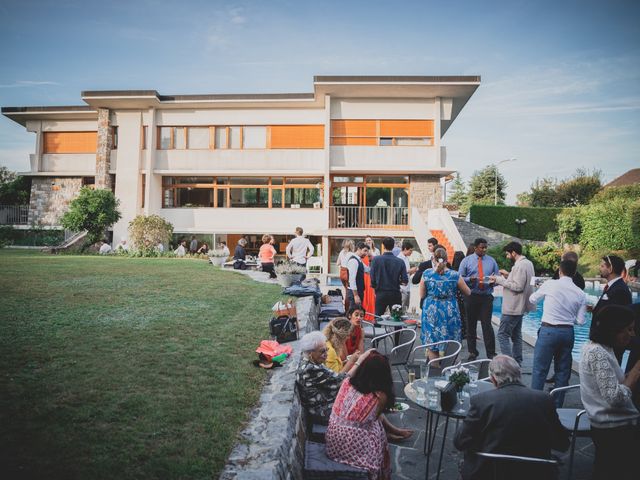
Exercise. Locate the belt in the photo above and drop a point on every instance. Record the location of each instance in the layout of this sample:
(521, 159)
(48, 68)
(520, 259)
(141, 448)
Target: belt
(544, 324)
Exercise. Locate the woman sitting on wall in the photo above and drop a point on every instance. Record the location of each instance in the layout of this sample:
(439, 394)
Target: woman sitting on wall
(337, 333)
(355, 341)
(356, 434)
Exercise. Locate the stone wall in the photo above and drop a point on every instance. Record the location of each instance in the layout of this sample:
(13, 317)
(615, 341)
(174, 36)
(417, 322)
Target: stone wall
(272, 444)
(103, 150)
(425, 193)
(50, 198)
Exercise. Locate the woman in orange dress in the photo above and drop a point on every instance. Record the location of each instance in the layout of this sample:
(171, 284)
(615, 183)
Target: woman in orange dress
(369, 300)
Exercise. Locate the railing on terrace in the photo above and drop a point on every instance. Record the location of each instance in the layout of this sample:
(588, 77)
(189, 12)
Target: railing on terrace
(14, 214)
(369, 217)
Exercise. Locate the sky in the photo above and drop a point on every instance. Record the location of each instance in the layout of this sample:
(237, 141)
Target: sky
(560, 79)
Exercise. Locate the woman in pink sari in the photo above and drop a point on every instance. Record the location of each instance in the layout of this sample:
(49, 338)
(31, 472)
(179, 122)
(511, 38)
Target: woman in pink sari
(356, 434)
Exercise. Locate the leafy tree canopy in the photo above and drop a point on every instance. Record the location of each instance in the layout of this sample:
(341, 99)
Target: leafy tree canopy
(14, 190)
(482, 187)
(574, 191)
(93, 211)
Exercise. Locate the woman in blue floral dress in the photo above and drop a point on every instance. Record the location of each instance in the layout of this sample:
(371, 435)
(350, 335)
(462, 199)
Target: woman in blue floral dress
(440, 314)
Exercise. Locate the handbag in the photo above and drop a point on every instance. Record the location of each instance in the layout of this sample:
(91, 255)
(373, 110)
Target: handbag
(284, 328)
(448, 397)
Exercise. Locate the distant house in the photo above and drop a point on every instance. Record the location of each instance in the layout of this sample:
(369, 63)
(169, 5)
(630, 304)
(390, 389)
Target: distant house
(629, 178)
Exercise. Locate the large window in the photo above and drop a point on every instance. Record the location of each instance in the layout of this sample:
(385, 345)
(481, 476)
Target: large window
(382, 132)
(242, 192)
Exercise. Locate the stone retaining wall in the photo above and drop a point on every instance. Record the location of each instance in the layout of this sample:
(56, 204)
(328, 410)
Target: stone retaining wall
(272, 444)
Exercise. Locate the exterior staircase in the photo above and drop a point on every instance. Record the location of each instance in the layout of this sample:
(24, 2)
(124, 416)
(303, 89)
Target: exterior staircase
(69, 242)
(444, 241)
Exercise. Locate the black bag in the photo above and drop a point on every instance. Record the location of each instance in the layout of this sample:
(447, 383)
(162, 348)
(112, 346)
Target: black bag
(239, 265)
(284, 328)
(448, 397)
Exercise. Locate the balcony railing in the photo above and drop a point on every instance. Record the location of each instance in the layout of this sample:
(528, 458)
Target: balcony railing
(369, 217)
(14, 214)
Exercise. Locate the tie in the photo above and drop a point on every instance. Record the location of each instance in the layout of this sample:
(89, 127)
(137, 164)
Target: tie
(606, 287)
(480, 274)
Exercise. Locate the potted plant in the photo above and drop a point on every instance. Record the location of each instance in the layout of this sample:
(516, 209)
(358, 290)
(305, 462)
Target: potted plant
(396, 312)
(459, 377)
(289, 273)
(217, 258)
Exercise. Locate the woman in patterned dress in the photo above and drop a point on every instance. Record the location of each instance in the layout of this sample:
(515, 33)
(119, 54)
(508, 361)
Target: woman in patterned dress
(356, 433)
(440, 314)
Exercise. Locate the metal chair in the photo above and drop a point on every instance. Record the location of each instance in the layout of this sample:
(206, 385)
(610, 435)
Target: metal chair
(370, 329)
(575, 421)
(483, 369)
(399, 354)
(451, 352)
(499, 458)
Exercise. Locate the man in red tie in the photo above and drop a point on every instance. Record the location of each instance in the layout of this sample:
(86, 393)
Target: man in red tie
(476, 270)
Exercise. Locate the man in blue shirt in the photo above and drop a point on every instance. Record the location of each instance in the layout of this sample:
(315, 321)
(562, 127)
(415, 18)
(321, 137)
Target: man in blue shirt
(387, 272)
(475, 270)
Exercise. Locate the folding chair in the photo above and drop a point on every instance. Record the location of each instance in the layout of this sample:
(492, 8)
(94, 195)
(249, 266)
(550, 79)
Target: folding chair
(575, 421)
(398, 354)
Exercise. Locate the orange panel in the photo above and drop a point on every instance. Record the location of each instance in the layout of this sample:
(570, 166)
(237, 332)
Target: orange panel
(406, 128)
(70, 142)
(354, 141)
(297, 136)
(353, 128)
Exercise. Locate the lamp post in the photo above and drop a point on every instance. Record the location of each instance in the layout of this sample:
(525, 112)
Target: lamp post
(519, 223)
(495, 190)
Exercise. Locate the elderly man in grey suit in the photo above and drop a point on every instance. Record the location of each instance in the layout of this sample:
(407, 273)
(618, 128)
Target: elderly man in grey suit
(512, 420)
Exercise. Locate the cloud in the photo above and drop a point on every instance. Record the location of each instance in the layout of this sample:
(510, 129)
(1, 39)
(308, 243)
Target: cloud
(29, 83)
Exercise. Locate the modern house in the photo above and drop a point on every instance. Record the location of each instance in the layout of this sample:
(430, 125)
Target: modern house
(361, 155)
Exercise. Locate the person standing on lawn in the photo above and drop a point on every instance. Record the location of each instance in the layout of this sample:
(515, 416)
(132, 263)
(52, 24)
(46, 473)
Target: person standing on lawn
(515, 300)
(299, 249)
(476, 269)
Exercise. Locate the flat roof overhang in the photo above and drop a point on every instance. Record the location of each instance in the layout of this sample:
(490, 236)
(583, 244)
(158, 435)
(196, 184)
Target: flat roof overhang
(69, 112)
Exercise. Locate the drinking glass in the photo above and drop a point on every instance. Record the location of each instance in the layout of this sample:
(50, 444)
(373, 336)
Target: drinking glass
(420, 394)
(424, 371)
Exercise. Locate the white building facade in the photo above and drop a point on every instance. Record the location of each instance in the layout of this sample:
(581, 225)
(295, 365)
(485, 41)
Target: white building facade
(358, 156)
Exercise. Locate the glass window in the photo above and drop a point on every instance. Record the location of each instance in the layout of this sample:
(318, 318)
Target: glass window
(413, 141)
(385, 142)
(190, 197)
(378, 197)
(165, 138)
(168, 197)
(198, 137)
(303, 181)
(222, 198)
(234, 137)
(254, 137)
(276, 197)
(145, 137)
(302, 197)
(221, 137)
(276, 180)
(249, 197)
(385, 179)
(249, 181)
(114, 134)
(348, 179)
(179, 140)
(186, 180)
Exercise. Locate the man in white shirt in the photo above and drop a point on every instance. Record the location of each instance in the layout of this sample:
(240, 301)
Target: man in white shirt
(515, 300)
(105, 248)
(564, 305)
(405, 290)
(355, 292)
(299, 249)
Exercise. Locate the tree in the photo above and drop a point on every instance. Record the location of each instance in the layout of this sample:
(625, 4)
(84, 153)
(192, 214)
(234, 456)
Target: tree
(543, 193)
(579, 189)
(523, 199)
(14, 190)
(147, 232)
(458, 195)
(93, 211)
(482, 187)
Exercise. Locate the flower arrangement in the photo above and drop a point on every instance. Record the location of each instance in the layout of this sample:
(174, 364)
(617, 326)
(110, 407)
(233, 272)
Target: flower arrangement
(290, 268)
(396, 312)
(459, 377)
(217, 253)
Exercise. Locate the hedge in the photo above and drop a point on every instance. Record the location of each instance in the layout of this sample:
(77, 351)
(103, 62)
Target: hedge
(610, 225)
(540, 220)
(31, 237)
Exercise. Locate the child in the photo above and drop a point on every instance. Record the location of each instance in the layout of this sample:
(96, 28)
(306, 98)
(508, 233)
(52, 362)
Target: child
(355, 342)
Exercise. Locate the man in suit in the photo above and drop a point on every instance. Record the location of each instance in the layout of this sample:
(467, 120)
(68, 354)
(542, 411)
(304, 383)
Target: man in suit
(387, 273)
(512, 420)
(615, 292)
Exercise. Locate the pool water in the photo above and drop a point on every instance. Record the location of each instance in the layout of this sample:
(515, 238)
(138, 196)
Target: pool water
(531, 321)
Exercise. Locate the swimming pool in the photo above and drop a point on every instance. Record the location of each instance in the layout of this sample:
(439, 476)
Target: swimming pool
(531, 321)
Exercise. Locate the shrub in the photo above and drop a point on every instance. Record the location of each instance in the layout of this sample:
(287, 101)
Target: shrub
(630, 192)
(146, 232)
(569, 226)
(6, 235)
(540, 221)
(608, 224)
(545, 257)
(93, 211)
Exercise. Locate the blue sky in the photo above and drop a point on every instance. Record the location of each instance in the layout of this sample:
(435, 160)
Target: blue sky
(560, 79)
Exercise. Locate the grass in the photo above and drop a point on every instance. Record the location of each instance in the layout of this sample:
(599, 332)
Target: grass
(125, 368)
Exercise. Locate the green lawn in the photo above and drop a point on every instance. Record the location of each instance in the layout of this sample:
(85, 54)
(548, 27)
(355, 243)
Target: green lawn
(125, 368)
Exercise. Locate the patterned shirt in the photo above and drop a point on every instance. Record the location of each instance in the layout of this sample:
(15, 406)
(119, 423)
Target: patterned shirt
(318, 387)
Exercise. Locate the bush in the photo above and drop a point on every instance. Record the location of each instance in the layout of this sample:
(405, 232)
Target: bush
(569, 226)
(540, 221)
(545, 257)
(33, 237)
(6, 235)
(609, 224)
(93, 211)
(145, 233)
(629, 192)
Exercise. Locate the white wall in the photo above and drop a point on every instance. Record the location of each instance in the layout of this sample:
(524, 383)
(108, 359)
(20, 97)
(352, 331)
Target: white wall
(69, 126)
(69, 162)
(381, 109)
(240, 117)
(245, 220)
(372, 158)
(303, 161)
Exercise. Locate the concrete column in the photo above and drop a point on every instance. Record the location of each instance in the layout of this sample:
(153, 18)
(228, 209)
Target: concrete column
(327, 183)
(437, 129)
(148, 161)
(103, 150)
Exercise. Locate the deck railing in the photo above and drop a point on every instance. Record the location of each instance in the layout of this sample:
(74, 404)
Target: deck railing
(14, 214)
(369, 217)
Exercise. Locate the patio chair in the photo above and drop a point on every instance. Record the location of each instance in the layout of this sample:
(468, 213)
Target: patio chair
(370, 329)
(505, 466)
(575, 421)
(399, 354)
(451, 352)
